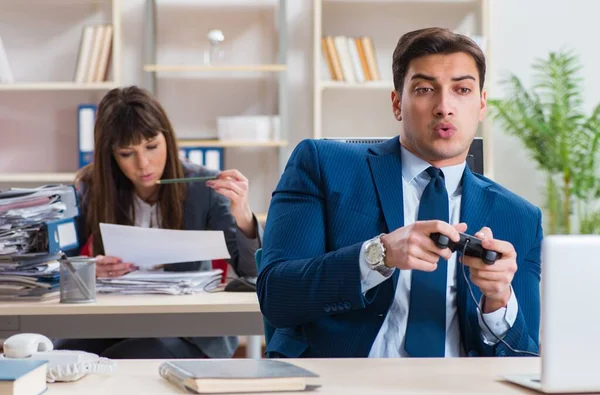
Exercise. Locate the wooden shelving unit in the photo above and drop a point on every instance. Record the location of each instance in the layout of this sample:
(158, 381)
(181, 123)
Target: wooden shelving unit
(58, 86)
(374, 85)
(209, 68)
(229, 144)
(67, 177)
(406, 1)
(36, 177)
(262, 64)
(109, 11)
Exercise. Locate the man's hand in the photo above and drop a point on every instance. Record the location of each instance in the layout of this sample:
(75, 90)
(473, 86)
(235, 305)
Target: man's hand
(411, 247)
(493, 280)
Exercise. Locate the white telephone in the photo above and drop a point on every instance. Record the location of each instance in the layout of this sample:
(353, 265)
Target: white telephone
(63, 365)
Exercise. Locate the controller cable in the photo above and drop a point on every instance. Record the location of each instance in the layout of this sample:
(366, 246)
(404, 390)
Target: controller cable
(480, 310)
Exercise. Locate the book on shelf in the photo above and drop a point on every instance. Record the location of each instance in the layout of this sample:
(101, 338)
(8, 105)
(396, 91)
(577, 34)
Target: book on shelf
(335, 70)
(370, 57)
(94, 55)
(6, 74)
(341, 46)
(350, 59)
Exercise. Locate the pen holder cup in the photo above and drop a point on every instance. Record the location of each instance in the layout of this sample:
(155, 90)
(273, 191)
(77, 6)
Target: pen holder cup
(77, 282)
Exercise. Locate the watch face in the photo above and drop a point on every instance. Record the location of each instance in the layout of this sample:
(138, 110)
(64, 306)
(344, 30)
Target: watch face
(373, 254)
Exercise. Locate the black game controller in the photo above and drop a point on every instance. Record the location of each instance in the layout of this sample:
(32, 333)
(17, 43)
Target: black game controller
(473, 249)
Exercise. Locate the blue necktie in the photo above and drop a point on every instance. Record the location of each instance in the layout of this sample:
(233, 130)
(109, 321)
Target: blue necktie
(426, 328)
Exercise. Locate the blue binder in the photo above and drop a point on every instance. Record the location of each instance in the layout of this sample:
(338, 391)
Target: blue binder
(61, 235)
(210, 157)
(86, 118)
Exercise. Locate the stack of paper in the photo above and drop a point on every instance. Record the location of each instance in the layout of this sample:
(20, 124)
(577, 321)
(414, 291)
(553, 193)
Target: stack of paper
(36, 225)
(160, 282)
(30, 276)
(24, 213)
(150, 248)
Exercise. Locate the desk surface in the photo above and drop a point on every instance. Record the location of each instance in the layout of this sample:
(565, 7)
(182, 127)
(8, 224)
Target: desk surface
(216, 302)
(340, 376)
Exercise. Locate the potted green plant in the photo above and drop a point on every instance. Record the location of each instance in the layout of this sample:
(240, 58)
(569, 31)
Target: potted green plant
(549, 119)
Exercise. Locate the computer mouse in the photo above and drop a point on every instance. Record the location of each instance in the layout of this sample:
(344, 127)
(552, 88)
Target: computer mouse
(243, 284)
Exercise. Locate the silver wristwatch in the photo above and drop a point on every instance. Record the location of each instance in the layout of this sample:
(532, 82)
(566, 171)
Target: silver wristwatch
(374, 254)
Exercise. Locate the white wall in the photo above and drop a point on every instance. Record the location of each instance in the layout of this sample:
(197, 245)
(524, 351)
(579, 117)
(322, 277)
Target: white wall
(523, 31)
(40, 125)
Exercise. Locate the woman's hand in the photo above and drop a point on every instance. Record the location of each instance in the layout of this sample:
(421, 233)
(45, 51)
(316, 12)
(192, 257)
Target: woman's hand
(110, 266)
(233, 185)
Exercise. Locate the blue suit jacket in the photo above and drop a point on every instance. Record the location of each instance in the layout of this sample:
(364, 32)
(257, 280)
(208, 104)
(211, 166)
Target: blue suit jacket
(331, 198)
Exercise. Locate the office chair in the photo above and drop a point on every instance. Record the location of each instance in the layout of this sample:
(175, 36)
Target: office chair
(474, 157)
(269, 330)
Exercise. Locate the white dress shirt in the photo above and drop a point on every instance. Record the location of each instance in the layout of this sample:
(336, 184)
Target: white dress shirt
(390, 339)
(146, 215)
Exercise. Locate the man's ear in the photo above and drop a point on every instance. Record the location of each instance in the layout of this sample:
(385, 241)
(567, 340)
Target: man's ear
(396, 105)
(483, 108)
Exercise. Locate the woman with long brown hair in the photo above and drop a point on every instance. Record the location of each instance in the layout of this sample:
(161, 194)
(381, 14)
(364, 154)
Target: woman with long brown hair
(135, 146)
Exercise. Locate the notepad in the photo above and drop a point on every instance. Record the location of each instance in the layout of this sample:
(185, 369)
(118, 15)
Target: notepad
(237, 375)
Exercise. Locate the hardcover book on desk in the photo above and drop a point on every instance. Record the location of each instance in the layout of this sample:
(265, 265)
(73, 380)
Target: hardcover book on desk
(237, 375)
(22, 377)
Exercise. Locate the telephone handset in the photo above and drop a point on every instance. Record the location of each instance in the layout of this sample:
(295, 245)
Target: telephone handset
(63, 365)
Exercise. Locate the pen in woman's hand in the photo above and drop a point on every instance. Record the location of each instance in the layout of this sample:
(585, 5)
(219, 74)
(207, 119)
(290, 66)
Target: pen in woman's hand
(188, 179)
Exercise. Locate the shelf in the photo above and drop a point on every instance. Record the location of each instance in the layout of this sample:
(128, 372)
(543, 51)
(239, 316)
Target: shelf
(232, 143)
(215, 68)
(224, 3)
(403, 1)
(53, 2)
(58, 86)
(375, 85)
(37, 177)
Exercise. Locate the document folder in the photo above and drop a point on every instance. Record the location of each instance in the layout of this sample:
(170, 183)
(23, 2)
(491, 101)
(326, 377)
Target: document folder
(56, 236)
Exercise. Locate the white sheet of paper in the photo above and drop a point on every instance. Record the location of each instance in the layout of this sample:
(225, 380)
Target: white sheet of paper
(148, 247)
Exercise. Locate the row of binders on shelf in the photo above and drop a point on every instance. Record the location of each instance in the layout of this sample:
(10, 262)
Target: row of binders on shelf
(37, 226)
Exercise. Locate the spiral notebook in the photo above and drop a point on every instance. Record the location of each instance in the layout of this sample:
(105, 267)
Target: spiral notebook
(217, 376)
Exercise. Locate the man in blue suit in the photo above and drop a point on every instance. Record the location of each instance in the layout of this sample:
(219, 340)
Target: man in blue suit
(349, 268)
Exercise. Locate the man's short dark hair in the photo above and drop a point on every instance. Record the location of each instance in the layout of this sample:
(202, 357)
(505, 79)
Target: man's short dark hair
(432, 41)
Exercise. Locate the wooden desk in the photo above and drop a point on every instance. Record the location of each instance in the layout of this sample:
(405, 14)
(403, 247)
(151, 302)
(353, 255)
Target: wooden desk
(340, 377)
(207, 314)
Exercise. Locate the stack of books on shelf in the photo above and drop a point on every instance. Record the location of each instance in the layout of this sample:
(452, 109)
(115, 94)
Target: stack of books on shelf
(350, 59)
(94, 54)
(36, 226)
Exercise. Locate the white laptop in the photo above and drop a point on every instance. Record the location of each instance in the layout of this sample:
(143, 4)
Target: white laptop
(570, 336)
